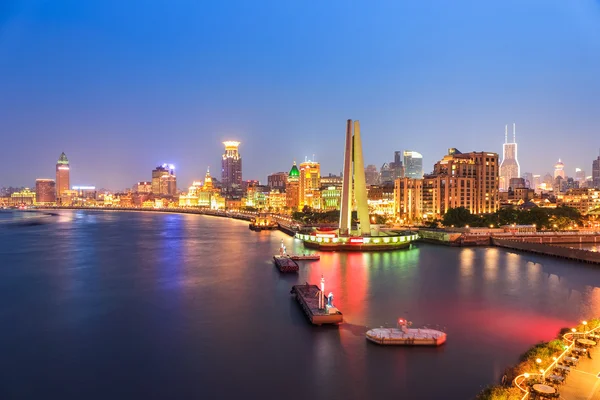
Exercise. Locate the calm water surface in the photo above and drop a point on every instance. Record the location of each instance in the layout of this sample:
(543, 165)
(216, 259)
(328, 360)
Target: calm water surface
(100, 305)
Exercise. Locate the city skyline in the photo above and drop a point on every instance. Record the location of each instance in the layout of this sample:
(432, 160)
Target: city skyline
(116, 97)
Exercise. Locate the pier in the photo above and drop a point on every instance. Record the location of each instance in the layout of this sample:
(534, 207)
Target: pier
(311, 298)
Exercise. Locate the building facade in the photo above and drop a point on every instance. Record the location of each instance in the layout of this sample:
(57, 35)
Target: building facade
(509, 168)
(62, 176)
(310, 185)
(164, 180)
(143, 187)
(45, 191)
(231, 167)
(584, 200)
(277, 181)
(596, 173)
(559, 169)
(292, 195)
(408, 200)
(413, 164)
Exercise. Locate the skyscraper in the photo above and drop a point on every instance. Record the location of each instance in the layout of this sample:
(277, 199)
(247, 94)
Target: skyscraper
(596, 173)
(559, 169)
(413, 164)
(62, 175)
(231, 171)
(45, 191)
(509, 168)
(580, 176)
(164, 180)
(310, 184)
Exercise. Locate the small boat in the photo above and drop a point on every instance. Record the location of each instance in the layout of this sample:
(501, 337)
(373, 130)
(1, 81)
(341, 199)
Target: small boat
(405, 336)
(262, 222)
(300, 257)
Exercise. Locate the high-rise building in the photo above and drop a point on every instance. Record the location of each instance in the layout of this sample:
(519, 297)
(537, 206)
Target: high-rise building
(310, 184)
(292, 196)
(528, 176)
(371, 175)
(397, 166)
(277, 181)
(509, 168)
(596, 173)
(386, 174)
(413, 164)
(231, 171)
(482, 168)
(45, 191)
(164, 180)
(408, 202)
(559, 169)
(62, 175)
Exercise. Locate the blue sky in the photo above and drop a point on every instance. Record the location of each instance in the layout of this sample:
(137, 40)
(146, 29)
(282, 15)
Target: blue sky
(122, 86)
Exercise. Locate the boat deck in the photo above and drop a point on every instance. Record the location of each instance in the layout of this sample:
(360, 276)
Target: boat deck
(412, 337)
(286, 264)
(307, 296)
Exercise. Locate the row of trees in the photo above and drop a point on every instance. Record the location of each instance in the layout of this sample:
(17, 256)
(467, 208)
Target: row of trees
(309, 217)
(558, 218)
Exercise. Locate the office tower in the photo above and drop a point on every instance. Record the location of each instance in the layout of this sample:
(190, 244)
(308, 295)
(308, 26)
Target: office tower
(277, 181)
(528, 176)
(596, 173)
(559, 169)
(62, 175)
(164, 180)
(413, 164)
(45, 191)
(509, 168)
(231, 171)
(354, 187)
(292, 196)
(516, 183)
(386, 174)
(397, 166)
(310, 184)
(371, 175)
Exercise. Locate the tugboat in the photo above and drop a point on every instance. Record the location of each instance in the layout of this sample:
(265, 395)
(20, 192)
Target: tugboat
(403, 335)
(261, 222)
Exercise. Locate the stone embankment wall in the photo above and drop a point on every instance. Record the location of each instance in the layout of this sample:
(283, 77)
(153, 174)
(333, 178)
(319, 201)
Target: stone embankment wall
(546, 249)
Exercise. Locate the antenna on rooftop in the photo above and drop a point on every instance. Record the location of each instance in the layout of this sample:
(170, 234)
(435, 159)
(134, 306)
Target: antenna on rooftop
(514, 133)
(505, 133)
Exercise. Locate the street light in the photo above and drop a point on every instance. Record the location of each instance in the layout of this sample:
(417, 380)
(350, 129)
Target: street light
(526, 375)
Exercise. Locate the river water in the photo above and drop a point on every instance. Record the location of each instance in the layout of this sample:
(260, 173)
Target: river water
(98, 305)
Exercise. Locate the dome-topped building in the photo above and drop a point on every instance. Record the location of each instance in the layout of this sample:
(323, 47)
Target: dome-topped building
(559, 169)
(294, 173)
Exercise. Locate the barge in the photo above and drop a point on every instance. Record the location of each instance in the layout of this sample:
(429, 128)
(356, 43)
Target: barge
(318, 308)
(305, 257)
(405, 336)
(285, 264)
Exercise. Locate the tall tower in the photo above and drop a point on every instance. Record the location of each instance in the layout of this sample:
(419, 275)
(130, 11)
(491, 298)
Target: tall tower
(354, 183)
(62, 175)
(413, 164)
(231, 171)
(509, 168)
(559, 169)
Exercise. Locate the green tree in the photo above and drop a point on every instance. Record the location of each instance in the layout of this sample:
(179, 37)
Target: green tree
(457, 217)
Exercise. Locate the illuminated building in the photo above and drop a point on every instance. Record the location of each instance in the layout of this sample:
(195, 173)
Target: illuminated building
(580, 176)
(277, 181)
(85, 191)
(331, 180)
(309, 184)
(380, 199)
(190, 199)
(331, 197)
(559, 169)
(164, 180)
(413, 164)
(276, 200)
(24, 197)
(467, 180)
(371, 175)
(386, 174)
(596, 173)
(408, 201)
(584, 200)
(516, 183)
(292, 189)
(144, 187)
(509, 168)
(354, 187)
(45, 191)
(231, 171)
(62, 176)
(397, 167)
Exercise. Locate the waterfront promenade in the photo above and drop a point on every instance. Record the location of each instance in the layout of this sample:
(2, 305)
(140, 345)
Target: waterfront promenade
(583, 382)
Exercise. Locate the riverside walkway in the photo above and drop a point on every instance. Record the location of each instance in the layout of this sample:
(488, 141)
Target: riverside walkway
(583, 382)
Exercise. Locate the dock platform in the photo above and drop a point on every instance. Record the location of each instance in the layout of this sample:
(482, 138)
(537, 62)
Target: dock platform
(285, 264)
(305, 257)
(307, 297)
(406, 337)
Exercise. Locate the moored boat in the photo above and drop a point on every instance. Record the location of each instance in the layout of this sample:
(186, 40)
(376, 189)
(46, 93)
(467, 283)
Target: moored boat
(405, 336)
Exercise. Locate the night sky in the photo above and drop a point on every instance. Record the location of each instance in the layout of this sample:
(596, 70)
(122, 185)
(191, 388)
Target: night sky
(122, 86)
